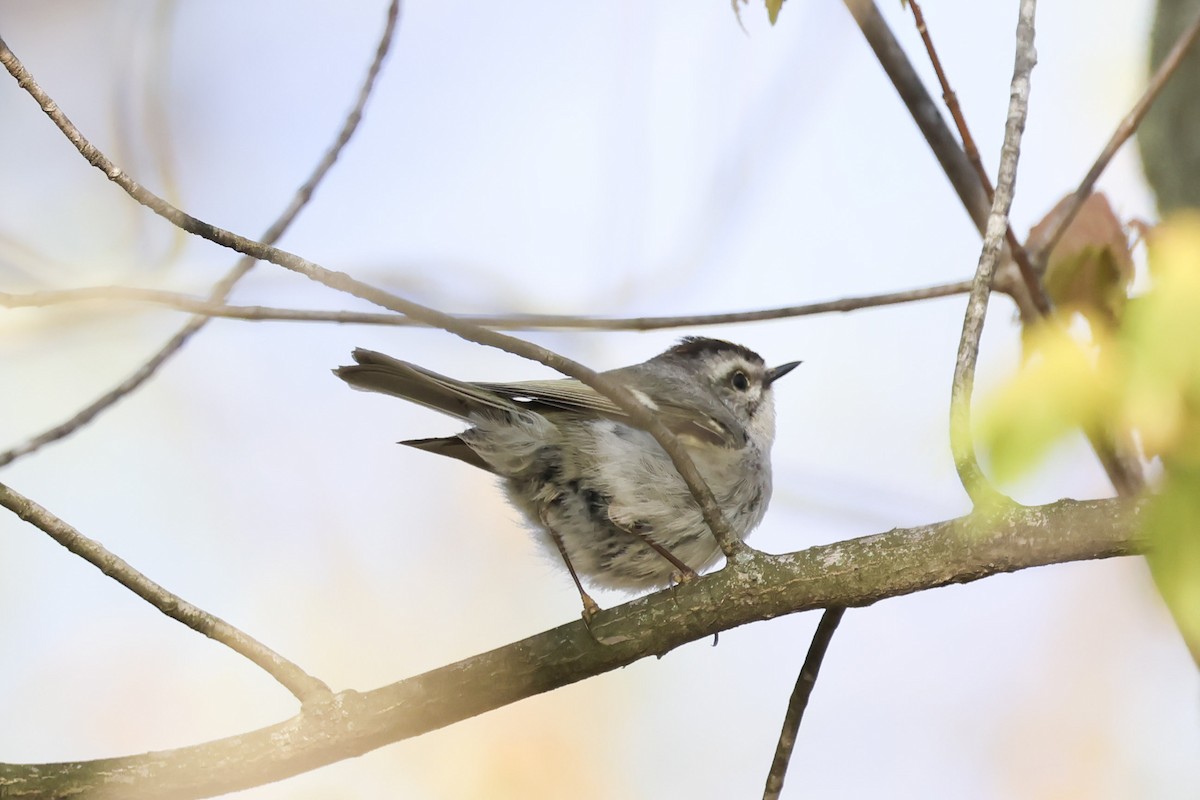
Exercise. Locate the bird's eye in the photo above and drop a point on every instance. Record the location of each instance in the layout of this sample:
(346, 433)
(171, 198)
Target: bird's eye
(739, 381)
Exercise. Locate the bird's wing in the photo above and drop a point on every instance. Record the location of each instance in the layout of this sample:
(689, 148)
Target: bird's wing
(564, 394)
(570, 395)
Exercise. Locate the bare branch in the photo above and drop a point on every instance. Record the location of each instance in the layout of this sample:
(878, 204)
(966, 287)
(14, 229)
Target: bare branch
(734, 549)
(221, 290)
(1032, 301)
(125, 387)
(1031, 278)
(923, 109)
(957, 164)
(298, 682)
(951, 100)
(853, 573)
(961, 440)
(1128, 126)
(196, 305)
(928, 118)
(805, 682)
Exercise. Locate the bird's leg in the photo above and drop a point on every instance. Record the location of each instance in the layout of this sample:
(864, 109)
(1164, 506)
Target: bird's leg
(590, 608)
(685, 572)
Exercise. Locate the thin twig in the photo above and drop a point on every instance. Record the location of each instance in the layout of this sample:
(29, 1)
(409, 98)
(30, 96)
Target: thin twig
(962, 442)
(222, 288)
(1119, 464)
(1128, 126)
(962, 168)
(923, 109)
(640, 415)
(526, 322)
(950, 98)
(291, 676)
(805, 683)
(928, 118)
(1030, 277)
(298, 682)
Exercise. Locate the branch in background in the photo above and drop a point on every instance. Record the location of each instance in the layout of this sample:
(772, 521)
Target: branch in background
(1119, 463)
(928, 118)
(1031, 278)
(806, 681)
(961, 439)
(221, 290)
(1122, 469)
(305, 687)
(639, 414)
(853, 573)
(1032, 304)
(1116, 451)
(1127, 127)
(923, 109)
(970, 150)
(196, 305)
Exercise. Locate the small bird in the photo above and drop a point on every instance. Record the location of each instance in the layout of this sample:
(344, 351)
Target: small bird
(600, 492)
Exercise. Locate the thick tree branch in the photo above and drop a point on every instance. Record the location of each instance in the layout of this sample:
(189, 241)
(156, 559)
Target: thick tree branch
(852, 573)
(223, 287)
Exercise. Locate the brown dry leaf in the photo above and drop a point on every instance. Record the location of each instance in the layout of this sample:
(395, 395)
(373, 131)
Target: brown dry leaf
(1090, 268)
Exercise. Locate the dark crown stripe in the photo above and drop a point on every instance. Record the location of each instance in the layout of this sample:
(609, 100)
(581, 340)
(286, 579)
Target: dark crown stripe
(691, 346)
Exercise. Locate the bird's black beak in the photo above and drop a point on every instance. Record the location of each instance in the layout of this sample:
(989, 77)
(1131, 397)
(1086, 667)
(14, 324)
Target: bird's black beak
(776, 373)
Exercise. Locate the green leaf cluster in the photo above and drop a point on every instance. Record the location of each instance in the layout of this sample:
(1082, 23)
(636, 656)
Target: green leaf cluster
(1141, 375)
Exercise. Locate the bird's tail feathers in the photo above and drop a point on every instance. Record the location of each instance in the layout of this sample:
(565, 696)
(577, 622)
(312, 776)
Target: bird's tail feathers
(376, 372)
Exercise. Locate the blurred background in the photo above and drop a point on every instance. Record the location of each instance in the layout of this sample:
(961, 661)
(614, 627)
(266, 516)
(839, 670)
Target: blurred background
(619, 159)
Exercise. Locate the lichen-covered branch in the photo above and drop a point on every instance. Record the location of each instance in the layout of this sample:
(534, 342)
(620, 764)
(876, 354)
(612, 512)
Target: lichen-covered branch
(851, 573)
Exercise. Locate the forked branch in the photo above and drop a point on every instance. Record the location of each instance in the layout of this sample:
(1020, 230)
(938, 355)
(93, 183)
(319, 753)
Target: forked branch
(852, 573)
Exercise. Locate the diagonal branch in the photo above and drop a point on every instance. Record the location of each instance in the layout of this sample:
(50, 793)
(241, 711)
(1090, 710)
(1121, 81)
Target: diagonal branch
(961, 439)
(221, 290)
(926, 114)
(852, 573)
(639, 414)
(518, 321)
(305, 687)
(1029, 275)
(923, 109)
(1122, 468)
(1057, 225)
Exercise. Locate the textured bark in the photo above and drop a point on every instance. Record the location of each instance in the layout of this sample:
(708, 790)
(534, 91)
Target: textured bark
(857, 572)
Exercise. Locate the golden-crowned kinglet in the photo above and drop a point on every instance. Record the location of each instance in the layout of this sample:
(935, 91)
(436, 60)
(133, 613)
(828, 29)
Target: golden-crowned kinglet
(604, 494)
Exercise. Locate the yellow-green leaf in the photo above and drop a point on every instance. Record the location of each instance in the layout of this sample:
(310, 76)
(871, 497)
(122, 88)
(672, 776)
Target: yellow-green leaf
(1173, 525)
(1064, 385)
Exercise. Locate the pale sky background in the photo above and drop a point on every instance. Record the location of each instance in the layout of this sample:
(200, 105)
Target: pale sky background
(604, 158)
